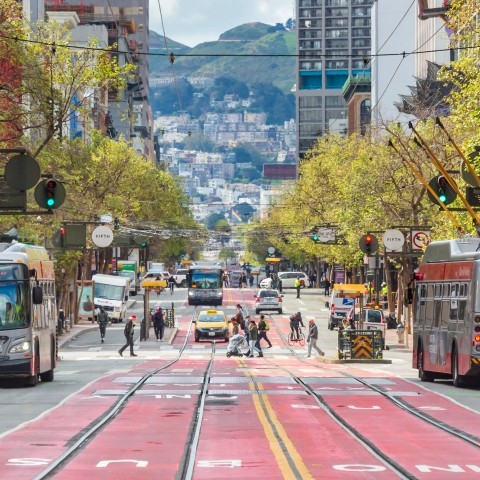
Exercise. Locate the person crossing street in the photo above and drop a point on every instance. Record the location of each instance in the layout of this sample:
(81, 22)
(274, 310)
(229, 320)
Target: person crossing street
(102, 323)
(128, 332)
(312, 339)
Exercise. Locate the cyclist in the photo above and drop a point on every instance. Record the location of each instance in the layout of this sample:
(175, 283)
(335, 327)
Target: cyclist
(171, 283)
(295, 322)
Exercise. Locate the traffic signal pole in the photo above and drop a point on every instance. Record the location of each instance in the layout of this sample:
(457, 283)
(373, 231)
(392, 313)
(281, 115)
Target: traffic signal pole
(447, 176)
(418, 174)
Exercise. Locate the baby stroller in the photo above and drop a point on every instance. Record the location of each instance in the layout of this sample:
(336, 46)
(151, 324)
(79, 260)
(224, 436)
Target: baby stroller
(234, 348)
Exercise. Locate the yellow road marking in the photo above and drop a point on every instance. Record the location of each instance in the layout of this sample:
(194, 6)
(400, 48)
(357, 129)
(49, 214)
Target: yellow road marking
(275, 434)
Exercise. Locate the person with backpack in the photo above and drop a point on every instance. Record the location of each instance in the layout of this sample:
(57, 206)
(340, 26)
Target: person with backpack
(129, 332)
(253, 339)
(263, 328)
(171, 283)
(158, 324)
(102, 323)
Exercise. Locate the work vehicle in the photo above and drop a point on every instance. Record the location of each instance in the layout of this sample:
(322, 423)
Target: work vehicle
(211, 325)
(268, 299)
(28, 314)
(129, 268)
(343, 298)
(111, 293)
(446, 312)
(368, 318)
(205, 286)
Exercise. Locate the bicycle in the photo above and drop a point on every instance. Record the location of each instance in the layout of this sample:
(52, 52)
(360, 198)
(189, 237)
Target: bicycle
(292, 340)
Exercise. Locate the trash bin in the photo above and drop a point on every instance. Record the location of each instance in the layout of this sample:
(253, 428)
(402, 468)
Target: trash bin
(401, 333)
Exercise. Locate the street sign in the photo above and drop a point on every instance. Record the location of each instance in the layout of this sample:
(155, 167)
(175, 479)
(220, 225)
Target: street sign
(75, 236)
(10, 198)
(102, 236)
(271, 250)
(420, 239)
(393, 240)
(326, 235)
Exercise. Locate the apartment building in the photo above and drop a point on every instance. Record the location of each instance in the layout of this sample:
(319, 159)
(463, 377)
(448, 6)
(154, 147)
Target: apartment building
(333, 43)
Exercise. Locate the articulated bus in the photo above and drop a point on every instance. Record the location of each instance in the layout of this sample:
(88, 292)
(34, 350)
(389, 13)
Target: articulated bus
(28, 347)
(205, 286)
(446, 317)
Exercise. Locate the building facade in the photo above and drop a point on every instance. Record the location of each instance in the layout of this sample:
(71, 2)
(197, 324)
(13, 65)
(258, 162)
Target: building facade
(333, 43)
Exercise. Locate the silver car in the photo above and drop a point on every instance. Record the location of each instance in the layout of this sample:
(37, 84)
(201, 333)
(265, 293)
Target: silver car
(268, 299)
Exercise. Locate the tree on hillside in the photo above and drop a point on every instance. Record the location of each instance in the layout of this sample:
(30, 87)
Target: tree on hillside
(173, 98)
(224, 86)
(268, 98)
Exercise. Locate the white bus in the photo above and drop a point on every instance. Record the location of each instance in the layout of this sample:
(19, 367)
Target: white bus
(28, 314)
(111, 293)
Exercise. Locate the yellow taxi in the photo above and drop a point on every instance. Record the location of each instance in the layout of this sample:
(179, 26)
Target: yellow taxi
(211, 325)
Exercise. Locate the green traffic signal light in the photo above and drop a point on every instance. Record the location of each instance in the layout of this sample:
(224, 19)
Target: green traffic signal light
(440, 191)
(50, 193)
(315, 238)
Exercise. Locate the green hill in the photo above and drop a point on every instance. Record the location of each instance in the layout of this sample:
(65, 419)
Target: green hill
(232, 55)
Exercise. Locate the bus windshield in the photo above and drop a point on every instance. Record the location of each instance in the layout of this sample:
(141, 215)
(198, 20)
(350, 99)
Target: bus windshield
(13, 297)
(205, 280)
(110, 292)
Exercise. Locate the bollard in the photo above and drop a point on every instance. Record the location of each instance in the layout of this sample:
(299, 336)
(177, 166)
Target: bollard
(401, 333)
(143, 330)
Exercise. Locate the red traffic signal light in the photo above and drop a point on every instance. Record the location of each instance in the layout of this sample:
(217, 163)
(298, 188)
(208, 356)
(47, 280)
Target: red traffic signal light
(368, 244)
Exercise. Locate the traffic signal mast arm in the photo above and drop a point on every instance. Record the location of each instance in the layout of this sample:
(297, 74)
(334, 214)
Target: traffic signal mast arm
(418, 174)
(447, 176)
(464, 158)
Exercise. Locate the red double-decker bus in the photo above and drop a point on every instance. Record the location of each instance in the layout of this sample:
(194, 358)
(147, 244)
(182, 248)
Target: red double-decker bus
(446, 317)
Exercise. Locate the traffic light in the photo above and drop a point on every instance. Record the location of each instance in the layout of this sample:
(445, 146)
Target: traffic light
(116, 223)
(446, 194)
(315, 238)
(49, 193)
(58, 239)
(368, 244)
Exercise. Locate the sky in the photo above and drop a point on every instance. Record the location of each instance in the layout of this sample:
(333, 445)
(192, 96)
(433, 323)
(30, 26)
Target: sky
(191, 22)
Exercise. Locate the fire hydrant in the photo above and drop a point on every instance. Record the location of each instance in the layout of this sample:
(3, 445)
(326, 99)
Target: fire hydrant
(401, 333)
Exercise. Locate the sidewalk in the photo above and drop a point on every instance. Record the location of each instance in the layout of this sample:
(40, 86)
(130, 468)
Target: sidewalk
(85, 325)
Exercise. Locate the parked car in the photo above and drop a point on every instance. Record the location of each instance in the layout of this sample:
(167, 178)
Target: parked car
(211, 325)
(181, 277)
(268, 299)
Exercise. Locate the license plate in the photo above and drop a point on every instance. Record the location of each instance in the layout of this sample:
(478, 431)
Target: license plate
(211, 334)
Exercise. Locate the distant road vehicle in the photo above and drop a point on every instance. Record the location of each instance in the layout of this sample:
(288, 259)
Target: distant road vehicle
(446, 313)
(211, 325)
(181, 277)
(342, 299)
(129, 268)
(205, 286)
(287, 279)
(268, 299)
(111, 292)
(28, 314)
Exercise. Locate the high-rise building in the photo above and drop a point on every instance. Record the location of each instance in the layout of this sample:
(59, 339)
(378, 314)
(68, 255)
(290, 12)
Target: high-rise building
(334, 40)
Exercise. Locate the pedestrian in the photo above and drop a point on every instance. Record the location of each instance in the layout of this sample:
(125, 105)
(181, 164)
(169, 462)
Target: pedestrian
(297, 285)
(295, 322)
(171, 283)
(327, 287)
(311, 280)
(158, 324)
(253, 337)
(250, 280)
(263, 327)
(235, 327)
(102, 323)
(129, 332)
(312, 339)
(226, 280)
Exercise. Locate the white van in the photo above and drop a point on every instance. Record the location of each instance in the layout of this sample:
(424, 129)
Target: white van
(181, 277)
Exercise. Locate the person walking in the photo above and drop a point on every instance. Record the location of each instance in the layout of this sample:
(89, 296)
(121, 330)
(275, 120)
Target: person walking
(263, 327)
(327, 287)
(102, 323)
(171, 283)
(312, 339)
(158, 324)
(129, 332)
(297, 284)
(253, 338)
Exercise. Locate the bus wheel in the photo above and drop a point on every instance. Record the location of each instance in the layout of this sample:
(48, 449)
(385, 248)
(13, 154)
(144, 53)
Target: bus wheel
(422, 374)
(48, 375)
(458, 380)
(183, 284)
(33, 379)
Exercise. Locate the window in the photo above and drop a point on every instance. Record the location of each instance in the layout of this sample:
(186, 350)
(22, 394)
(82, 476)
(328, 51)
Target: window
(310, 102)
(337, 33)
(336, 22)
(334, 101)
(310, 116)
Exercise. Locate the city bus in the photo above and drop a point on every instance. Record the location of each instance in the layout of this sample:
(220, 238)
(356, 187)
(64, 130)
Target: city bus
(28, 347)
(205, 286)
(446, 315)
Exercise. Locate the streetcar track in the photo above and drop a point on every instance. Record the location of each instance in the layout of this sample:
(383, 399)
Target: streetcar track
(191, 443)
